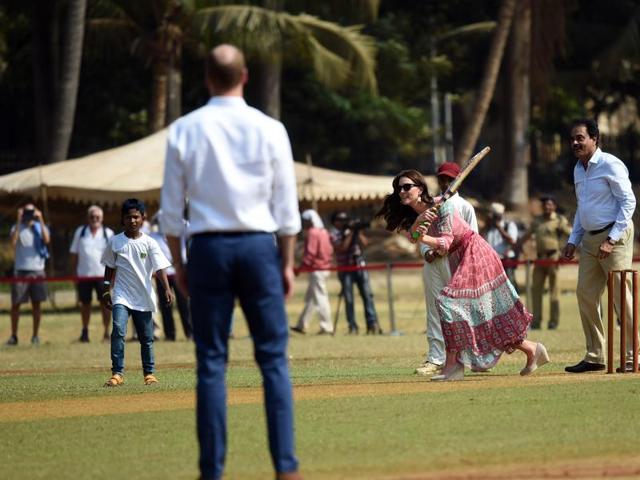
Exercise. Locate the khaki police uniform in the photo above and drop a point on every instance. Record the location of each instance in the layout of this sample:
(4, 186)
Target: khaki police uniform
(550, 236)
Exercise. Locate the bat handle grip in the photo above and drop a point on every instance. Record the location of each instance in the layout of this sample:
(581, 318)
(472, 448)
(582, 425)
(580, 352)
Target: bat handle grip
(416, 235)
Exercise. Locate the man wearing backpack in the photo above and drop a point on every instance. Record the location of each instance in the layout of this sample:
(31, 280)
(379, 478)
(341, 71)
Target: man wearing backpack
(29, 237)
(89, 242)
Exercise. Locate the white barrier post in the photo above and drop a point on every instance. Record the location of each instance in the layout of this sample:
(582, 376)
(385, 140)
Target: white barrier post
(527, 288)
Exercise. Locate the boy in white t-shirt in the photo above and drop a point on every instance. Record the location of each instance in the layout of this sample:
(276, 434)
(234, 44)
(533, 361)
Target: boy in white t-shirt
(131, 258)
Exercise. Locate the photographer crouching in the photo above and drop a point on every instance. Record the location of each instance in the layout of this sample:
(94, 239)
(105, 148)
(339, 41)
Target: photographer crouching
(349, 240)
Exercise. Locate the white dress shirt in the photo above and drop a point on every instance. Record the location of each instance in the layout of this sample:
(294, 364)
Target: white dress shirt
(235, 166)
(604, 196)
(466, 211)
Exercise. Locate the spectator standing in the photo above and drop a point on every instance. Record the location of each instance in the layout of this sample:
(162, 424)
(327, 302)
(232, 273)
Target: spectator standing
(235, 166)
(29, 237)
(166, 311)
(436, 273)
(604, 229)
(88, 245)
(502, 235)
(550, 230)
(130, 260)
(349, 241)
(318, 252)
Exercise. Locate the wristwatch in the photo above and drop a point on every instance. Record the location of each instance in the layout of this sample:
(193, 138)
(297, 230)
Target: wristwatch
(611, 242)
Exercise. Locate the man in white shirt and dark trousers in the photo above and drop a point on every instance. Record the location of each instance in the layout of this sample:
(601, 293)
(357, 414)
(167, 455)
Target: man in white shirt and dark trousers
(235, 166)
(88, 244)
(436, 274)
(168, 324)
(603, 228)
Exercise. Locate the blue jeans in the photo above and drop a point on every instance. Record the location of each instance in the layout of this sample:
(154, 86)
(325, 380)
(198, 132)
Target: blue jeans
(247, 266)
(143, 322)
(361, 279)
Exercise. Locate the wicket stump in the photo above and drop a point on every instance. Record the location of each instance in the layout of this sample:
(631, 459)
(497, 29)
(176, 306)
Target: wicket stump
(623, 319)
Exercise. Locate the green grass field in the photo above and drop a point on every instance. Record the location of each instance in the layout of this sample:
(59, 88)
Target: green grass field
(360, 410)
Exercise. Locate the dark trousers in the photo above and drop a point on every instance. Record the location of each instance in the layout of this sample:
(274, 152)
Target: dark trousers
(168, 324)
(222, 268)
(361, 279)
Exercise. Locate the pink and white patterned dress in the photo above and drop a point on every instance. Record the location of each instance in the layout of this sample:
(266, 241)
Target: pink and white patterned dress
(480, 311)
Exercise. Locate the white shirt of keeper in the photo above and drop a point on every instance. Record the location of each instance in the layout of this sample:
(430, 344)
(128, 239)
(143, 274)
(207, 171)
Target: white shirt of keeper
(89, 249)
(135, 260)
(235, 166)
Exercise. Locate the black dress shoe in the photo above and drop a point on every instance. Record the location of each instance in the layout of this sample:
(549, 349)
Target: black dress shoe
(298, 330)
(552, 326)
(582, 367)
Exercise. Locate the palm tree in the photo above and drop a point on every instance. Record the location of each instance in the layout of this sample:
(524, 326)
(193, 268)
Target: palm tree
(519, 112)
(487, 86)
(67, 93)
(159, 30)
(56, 43)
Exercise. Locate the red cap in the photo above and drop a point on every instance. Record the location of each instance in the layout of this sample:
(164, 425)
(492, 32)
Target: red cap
(449, 169)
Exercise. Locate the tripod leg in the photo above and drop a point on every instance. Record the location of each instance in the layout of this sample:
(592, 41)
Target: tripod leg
(335, 320)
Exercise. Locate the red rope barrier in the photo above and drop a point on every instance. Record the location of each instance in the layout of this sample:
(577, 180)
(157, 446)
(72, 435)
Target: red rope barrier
(333, 268)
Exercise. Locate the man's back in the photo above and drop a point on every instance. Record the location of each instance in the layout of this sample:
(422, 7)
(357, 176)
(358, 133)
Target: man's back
(237, 168)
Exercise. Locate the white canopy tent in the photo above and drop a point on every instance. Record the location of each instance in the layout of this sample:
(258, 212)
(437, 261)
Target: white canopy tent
(136, 170)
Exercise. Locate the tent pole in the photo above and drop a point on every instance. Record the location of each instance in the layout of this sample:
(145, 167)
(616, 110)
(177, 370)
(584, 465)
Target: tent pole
(314, 201)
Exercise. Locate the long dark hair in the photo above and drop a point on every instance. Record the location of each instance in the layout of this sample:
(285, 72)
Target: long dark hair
(399, 216)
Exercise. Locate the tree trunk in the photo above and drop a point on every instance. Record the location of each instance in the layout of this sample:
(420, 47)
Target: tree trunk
(263, 89)
(43, 55)
(174, 102)
(489, 77)
(159, 91)
(519, 62)
(67, 92)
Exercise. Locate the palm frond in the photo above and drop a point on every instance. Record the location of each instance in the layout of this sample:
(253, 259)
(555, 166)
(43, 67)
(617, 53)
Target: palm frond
(257, 30)
(472, 28)
(339, 55)
(356, 50)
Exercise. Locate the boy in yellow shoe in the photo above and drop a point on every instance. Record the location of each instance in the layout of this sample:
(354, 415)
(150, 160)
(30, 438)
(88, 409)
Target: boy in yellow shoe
(130, 260)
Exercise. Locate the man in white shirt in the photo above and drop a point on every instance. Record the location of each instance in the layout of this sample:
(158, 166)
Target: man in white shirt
(436, 274)
(235, 166)
(168, 324)
(502, 235)
(604, 229)
(88, 244)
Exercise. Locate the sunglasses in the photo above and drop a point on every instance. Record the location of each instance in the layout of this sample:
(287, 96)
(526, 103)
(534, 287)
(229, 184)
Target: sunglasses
(407, 186)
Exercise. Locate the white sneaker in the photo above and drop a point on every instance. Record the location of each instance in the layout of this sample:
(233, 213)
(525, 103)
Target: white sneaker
(428, 368)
